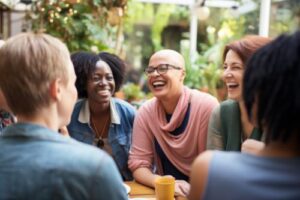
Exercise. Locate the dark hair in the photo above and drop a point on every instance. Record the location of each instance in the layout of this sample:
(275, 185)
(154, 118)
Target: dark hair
(85, 64)
(117, 67)
(246, 46)
(272, 82)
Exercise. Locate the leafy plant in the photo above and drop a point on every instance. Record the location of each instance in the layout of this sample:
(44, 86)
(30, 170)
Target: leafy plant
(205, 72)
(161, 19)
(158, 16)
(285, 18)
(133, 92)
(82, 25)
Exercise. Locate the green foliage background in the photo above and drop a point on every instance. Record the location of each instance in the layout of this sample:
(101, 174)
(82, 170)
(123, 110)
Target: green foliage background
(82, 26)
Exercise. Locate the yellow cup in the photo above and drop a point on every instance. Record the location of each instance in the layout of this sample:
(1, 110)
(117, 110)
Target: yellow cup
(165, 188)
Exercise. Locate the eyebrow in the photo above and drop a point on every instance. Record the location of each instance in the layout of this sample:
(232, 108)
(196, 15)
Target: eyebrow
(234, 63)
(164, 64)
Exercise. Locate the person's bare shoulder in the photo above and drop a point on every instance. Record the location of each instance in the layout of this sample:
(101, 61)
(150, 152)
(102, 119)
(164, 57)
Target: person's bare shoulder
(199, 175)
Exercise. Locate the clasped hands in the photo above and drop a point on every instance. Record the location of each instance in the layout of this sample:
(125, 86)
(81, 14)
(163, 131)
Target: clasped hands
(182, 188)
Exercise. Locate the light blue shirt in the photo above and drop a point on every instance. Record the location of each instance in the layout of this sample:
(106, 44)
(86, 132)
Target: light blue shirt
(120, 130)
(37, 163)
(238, 176)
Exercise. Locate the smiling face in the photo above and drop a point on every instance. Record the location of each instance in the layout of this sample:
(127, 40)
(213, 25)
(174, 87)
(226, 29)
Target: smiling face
(233, 75)
(101, 84)
(169, 84)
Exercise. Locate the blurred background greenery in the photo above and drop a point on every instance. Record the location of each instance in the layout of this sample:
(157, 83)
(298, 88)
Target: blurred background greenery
(134, 30)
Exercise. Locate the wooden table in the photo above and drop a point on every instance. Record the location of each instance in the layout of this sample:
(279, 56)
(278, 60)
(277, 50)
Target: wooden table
(140, 191)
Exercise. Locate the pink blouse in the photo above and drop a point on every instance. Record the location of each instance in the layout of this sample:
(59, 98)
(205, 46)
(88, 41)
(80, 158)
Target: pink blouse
(181, 150)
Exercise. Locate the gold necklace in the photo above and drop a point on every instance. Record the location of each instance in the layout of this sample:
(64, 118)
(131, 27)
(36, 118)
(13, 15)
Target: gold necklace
(98, 141)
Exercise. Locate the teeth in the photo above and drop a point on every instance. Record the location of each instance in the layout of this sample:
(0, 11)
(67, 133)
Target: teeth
(158, 83)
(103, 91)
(232, 84)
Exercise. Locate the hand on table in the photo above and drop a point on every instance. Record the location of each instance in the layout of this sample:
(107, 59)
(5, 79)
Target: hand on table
(182, 188)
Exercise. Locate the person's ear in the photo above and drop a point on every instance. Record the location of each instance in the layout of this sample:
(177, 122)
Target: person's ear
(182, 75)
(55, 89)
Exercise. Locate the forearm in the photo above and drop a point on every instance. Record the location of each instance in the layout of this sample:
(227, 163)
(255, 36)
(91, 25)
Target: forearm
(145, 176)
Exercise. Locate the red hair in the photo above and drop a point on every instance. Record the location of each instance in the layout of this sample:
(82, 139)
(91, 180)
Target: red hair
(246, 46)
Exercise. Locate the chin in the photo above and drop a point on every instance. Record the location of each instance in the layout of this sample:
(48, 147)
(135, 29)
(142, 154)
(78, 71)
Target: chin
(233, 97)
(160, 94)
(104, 101)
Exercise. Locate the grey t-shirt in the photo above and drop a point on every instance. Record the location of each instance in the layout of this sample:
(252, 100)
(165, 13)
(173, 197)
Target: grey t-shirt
(238, 176)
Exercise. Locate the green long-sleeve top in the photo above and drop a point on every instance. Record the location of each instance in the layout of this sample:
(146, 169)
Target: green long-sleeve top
(224, 129)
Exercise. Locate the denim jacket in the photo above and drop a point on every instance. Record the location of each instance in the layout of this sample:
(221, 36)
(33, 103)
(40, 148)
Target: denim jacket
(37, 163)
(120, 130)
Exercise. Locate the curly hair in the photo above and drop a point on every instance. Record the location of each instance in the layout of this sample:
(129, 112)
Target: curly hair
(271, 83)
(117, 67)
(85, 64)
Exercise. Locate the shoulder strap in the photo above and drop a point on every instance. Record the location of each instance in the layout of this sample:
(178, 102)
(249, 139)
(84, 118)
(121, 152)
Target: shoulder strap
(230, 125)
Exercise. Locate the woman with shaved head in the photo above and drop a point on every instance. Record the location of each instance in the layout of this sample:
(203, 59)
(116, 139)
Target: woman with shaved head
(170, 129)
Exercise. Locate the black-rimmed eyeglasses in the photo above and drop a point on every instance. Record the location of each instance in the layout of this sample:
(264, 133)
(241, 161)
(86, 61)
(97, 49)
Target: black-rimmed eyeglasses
(161, 69)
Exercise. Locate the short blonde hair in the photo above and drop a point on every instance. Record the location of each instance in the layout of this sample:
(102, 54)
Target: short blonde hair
(29, 62)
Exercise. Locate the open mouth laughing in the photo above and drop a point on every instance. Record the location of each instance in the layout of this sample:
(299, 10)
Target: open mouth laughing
(232, 86)
(158, 84)
(104, 93)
